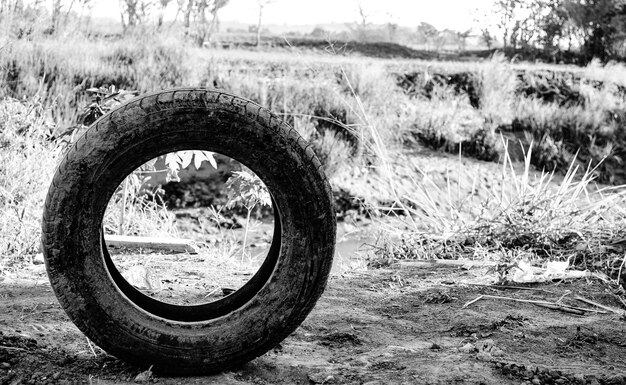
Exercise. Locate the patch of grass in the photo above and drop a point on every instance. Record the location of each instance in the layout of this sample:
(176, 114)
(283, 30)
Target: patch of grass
(539, 219)
(28, 160)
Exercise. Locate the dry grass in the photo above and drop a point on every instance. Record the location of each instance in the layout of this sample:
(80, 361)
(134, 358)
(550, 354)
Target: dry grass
(357, 118)
(28, 162)
(542, 217)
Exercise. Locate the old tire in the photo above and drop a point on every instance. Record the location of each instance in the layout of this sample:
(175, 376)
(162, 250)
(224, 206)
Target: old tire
(201, 338)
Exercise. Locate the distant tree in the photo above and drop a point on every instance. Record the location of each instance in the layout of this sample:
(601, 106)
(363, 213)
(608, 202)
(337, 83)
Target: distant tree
(506, 10)
(56, 15)
(319, 33)
(600, 24)
(427, 32)
(552, 25)
(161, 12)
(262, 4)
(134, 12)
(462, 38)
(203, 28)
(392, 31)
(486, 37)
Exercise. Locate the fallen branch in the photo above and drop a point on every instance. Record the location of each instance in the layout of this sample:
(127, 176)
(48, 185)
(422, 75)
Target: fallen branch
(505, 287)
(133, 242)
(590, 302)
(562, 308)
(547, 304)
(433, 263)
(91, 348)
(12, 348)
(472, 301)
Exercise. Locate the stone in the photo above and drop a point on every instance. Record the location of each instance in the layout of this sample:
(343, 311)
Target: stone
(143, 377)
(467, 348)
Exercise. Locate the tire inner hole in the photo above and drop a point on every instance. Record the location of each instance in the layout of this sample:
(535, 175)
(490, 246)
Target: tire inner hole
(190, 227)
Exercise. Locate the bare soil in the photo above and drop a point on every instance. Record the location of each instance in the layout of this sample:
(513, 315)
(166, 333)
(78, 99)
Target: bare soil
(383, 326)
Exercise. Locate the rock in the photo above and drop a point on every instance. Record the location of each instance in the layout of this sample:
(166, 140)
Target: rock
(38, 259)
(536, 381)
(497, 352)
(467, 348)
(485, 345)
(617, 379)
(434, 346)
(143, 376)
(56, 375)
(555, 373)
(5, 366)
(320, 378)
(579, 379)
(484, 356)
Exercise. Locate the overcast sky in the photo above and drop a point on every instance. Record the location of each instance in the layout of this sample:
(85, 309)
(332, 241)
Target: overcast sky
(453, 14)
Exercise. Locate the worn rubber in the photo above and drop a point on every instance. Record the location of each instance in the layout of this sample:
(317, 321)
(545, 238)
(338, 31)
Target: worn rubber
(201, 339)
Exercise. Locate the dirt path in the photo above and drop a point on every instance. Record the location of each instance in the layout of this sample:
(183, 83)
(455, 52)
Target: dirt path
(375, 327)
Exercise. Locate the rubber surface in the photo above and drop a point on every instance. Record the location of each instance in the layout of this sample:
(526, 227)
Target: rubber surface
(195, 339)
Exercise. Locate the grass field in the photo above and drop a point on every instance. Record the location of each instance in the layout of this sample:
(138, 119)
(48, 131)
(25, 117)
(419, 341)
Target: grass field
(396, 136)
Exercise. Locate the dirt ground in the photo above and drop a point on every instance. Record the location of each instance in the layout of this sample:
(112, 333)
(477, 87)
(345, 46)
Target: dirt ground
(382, 326)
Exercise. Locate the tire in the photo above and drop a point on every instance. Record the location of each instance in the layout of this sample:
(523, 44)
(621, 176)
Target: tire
(202, 338)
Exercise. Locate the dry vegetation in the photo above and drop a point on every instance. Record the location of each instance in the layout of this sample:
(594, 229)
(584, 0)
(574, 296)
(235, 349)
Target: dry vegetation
(365, 118)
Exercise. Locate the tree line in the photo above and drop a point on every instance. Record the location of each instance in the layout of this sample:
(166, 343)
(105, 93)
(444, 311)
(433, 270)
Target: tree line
(589, 28)
(199, 18)
(554, 30)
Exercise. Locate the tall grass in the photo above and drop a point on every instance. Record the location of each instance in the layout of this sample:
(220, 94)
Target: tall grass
(527, 216)
(364, 127)
(28, 161)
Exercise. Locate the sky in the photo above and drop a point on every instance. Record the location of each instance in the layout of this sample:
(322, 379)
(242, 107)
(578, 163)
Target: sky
(453, 14)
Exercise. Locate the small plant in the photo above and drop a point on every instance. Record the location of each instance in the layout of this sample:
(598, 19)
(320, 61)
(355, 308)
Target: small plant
(248, 190)
(181, 159)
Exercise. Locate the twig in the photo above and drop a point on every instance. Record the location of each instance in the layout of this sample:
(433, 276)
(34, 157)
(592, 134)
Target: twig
(563, 308)
(91, 348)
(563, 296)
(517, 299)
(12, 348)
(621, 300)
(551, 305)
(512, 287)
(590, 302)
(619, 273)
(472, 301)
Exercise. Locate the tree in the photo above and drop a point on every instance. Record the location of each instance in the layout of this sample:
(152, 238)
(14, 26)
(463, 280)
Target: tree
(486, 37)
(319, 33)
(462, 38)
(601, 25)
(134, 12)
(161, 12)
(56, 15)
(392, 31)
(427, 32)
(506, 9)
(262, 4)
(553, 25)
(202, 29)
